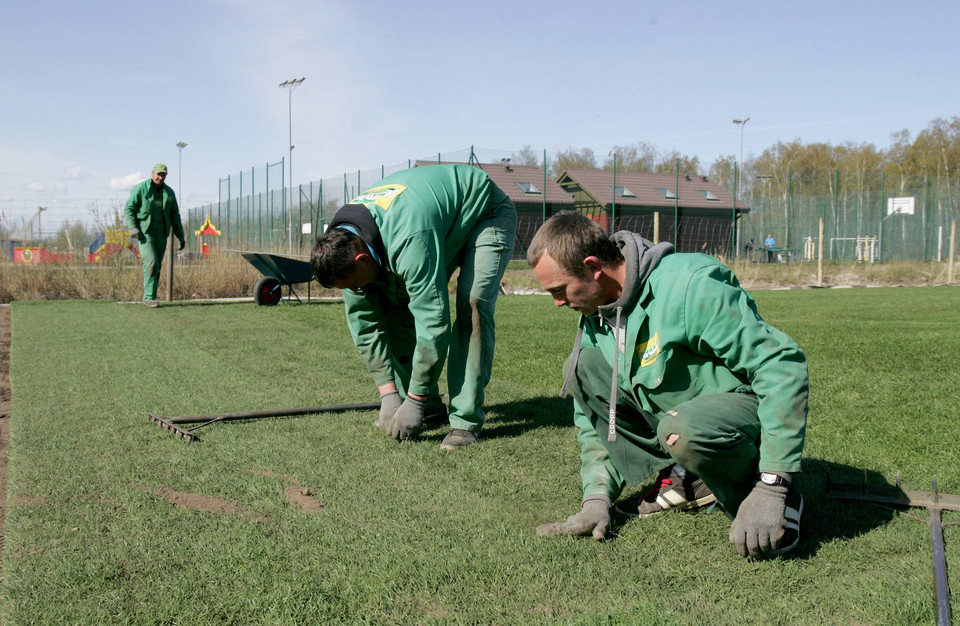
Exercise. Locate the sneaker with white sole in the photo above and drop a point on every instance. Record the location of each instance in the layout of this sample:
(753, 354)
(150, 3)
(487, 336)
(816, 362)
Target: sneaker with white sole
(671, 491)
(792, 515)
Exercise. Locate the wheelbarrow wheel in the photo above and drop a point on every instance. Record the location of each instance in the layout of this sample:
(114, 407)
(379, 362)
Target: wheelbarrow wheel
(267, 291)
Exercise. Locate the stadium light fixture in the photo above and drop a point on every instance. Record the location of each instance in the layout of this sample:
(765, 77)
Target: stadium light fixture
(290, 85)
(180, 147)
(741, 123)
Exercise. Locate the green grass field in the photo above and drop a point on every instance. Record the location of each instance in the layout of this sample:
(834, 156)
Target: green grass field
(324, 519)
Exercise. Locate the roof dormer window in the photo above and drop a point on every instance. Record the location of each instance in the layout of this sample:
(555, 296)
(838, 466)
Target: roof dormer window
(528, 188)
(667, 193)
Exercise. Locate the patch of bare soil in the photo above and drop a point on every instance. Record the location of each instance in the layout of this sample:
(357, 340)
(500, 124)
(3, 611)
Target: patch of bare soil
(6, 396)
(296, 494)
(200, 502)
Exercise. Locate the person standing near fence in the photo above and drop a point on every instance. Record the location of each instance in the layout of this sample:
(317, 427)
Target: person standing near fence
(392, 251)
(151, 212)
(769, 243)
(674, 371)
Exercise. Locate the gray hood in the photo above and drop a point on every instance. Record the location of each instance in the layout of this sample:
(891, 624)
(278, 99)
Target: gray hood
(641, 257)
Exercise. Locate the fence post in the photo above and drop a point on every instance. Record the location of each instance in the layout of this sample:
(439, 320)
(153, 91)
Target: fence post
(820, 256)
(953, 241)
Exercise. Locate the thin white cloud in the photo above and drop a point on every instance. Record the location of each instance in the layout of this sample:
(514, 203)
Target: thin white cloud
(37, 187)
(75, 173)
(125, 183)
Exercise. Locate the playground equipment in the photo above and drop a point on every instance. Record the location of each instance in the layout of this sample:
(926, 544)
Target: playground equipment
(278, 271)
(107, 244)
(207, 230)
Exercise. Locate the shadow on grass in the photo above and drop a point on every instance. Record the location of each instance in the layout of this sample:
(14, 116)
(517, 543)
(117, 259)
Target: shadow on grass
(512, 419)
(826, 519)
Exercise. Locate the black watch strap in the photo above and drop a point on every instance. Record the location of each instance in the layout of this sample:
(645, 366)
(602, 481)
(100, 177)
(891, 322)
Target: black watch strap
(769, 478)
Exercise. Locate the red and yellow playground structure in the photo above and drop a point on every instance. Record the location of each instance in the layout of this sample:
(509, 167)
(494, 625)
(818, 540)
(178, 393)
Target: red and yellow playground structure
(105, 246)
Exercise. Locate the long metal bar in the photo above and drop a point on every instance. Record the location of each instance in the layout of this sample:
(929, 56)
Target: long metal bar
(246, 415)
(939, 569)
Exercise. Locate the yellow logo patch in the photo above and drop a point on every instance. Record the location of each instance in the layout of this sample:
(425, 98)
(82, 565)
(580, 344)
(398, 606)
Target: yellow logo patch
(649, 350)
(381, 196)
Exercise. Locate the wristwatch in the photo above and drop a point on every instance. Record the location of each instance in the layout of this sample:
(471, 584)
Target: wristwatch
(768, 478)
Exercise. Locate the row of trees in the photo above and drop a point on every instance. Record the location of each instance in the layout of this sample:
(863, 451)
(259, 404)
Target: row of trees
(811, 169)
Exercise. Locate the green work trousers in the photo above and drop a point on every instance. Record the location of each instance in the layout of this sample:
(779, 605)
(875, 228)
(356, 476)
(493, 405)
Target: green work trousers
(717, 436)
(153, 245)
(482, 262)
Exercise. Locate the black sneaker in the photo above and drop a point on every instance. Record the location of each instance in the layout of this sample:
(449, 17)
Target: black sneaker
(459, 438)
(792, 514)
(669, 492)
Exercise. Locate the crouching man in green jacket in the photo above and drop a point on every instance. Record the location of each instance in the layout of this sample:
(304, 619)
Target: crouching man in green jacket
(674, 372)
(393, 250)
(151, 212)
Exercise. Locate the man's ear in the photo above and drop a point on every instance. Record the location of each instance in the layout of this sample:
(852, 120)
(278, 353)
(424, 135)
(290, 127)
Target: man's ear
(362, 258)
(594, 266)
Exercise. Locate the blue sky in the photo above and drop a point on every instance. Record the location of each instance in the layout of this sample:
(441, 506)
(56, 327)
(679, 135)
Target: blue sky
(92, 94)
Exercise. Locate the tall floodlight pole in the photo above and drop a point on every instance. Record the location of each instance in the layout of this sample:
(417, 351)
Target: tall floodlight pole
(171, 253)
(741, 123)
(290, 85)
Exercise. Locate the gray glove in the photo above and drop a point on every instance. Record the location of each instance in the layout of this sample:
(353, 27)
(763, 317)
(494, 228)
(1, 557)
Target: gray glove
(135, 233)
(593, 519)
(182, 245)
(760, 522)
(408, 420)
(389, 403)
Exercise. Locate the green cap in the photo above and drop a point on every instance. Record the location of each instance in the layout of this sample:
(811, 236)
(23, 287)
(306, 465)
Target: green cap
(158, 168)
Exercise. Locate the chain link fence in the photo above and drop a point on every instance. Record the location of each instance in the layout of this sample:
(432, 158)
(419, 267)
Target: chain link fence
(867, 218)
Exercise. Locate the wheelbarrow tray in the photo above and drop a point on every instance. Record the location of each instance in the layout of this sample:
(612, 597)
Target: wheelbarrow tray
(286, 270)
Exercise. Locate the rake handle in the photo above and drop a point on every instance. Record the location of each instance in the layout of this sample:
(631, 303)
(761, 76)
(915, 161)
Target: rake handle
(247, 415)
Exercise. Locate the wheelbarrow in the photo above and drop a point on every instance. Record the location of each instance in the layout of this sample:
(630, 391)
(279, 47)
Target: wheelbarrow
(278, 272)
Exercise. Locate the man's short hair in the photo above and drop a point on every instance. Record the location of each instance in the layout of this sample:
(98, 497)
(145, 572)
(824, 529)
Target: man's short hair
(333, 255)
(569, 238)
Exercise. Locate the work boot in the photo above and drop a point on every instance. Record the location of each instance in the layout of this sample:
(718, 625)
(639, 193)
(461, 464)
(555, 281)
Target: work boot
(671, 491)
(458, 438)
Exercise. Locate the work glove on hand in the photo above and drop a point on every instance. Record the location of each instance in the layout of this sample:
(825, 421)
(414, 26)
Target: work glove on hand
(593, 519)
(182, 245)
(760, 522)
(389, 403)
(408, 420)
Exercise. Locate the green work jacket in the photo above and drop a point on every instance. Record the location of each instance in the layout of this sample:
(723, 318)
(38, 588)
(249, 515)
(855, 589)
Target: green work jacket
(693, 331)
(141, 213)
(424, 216)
